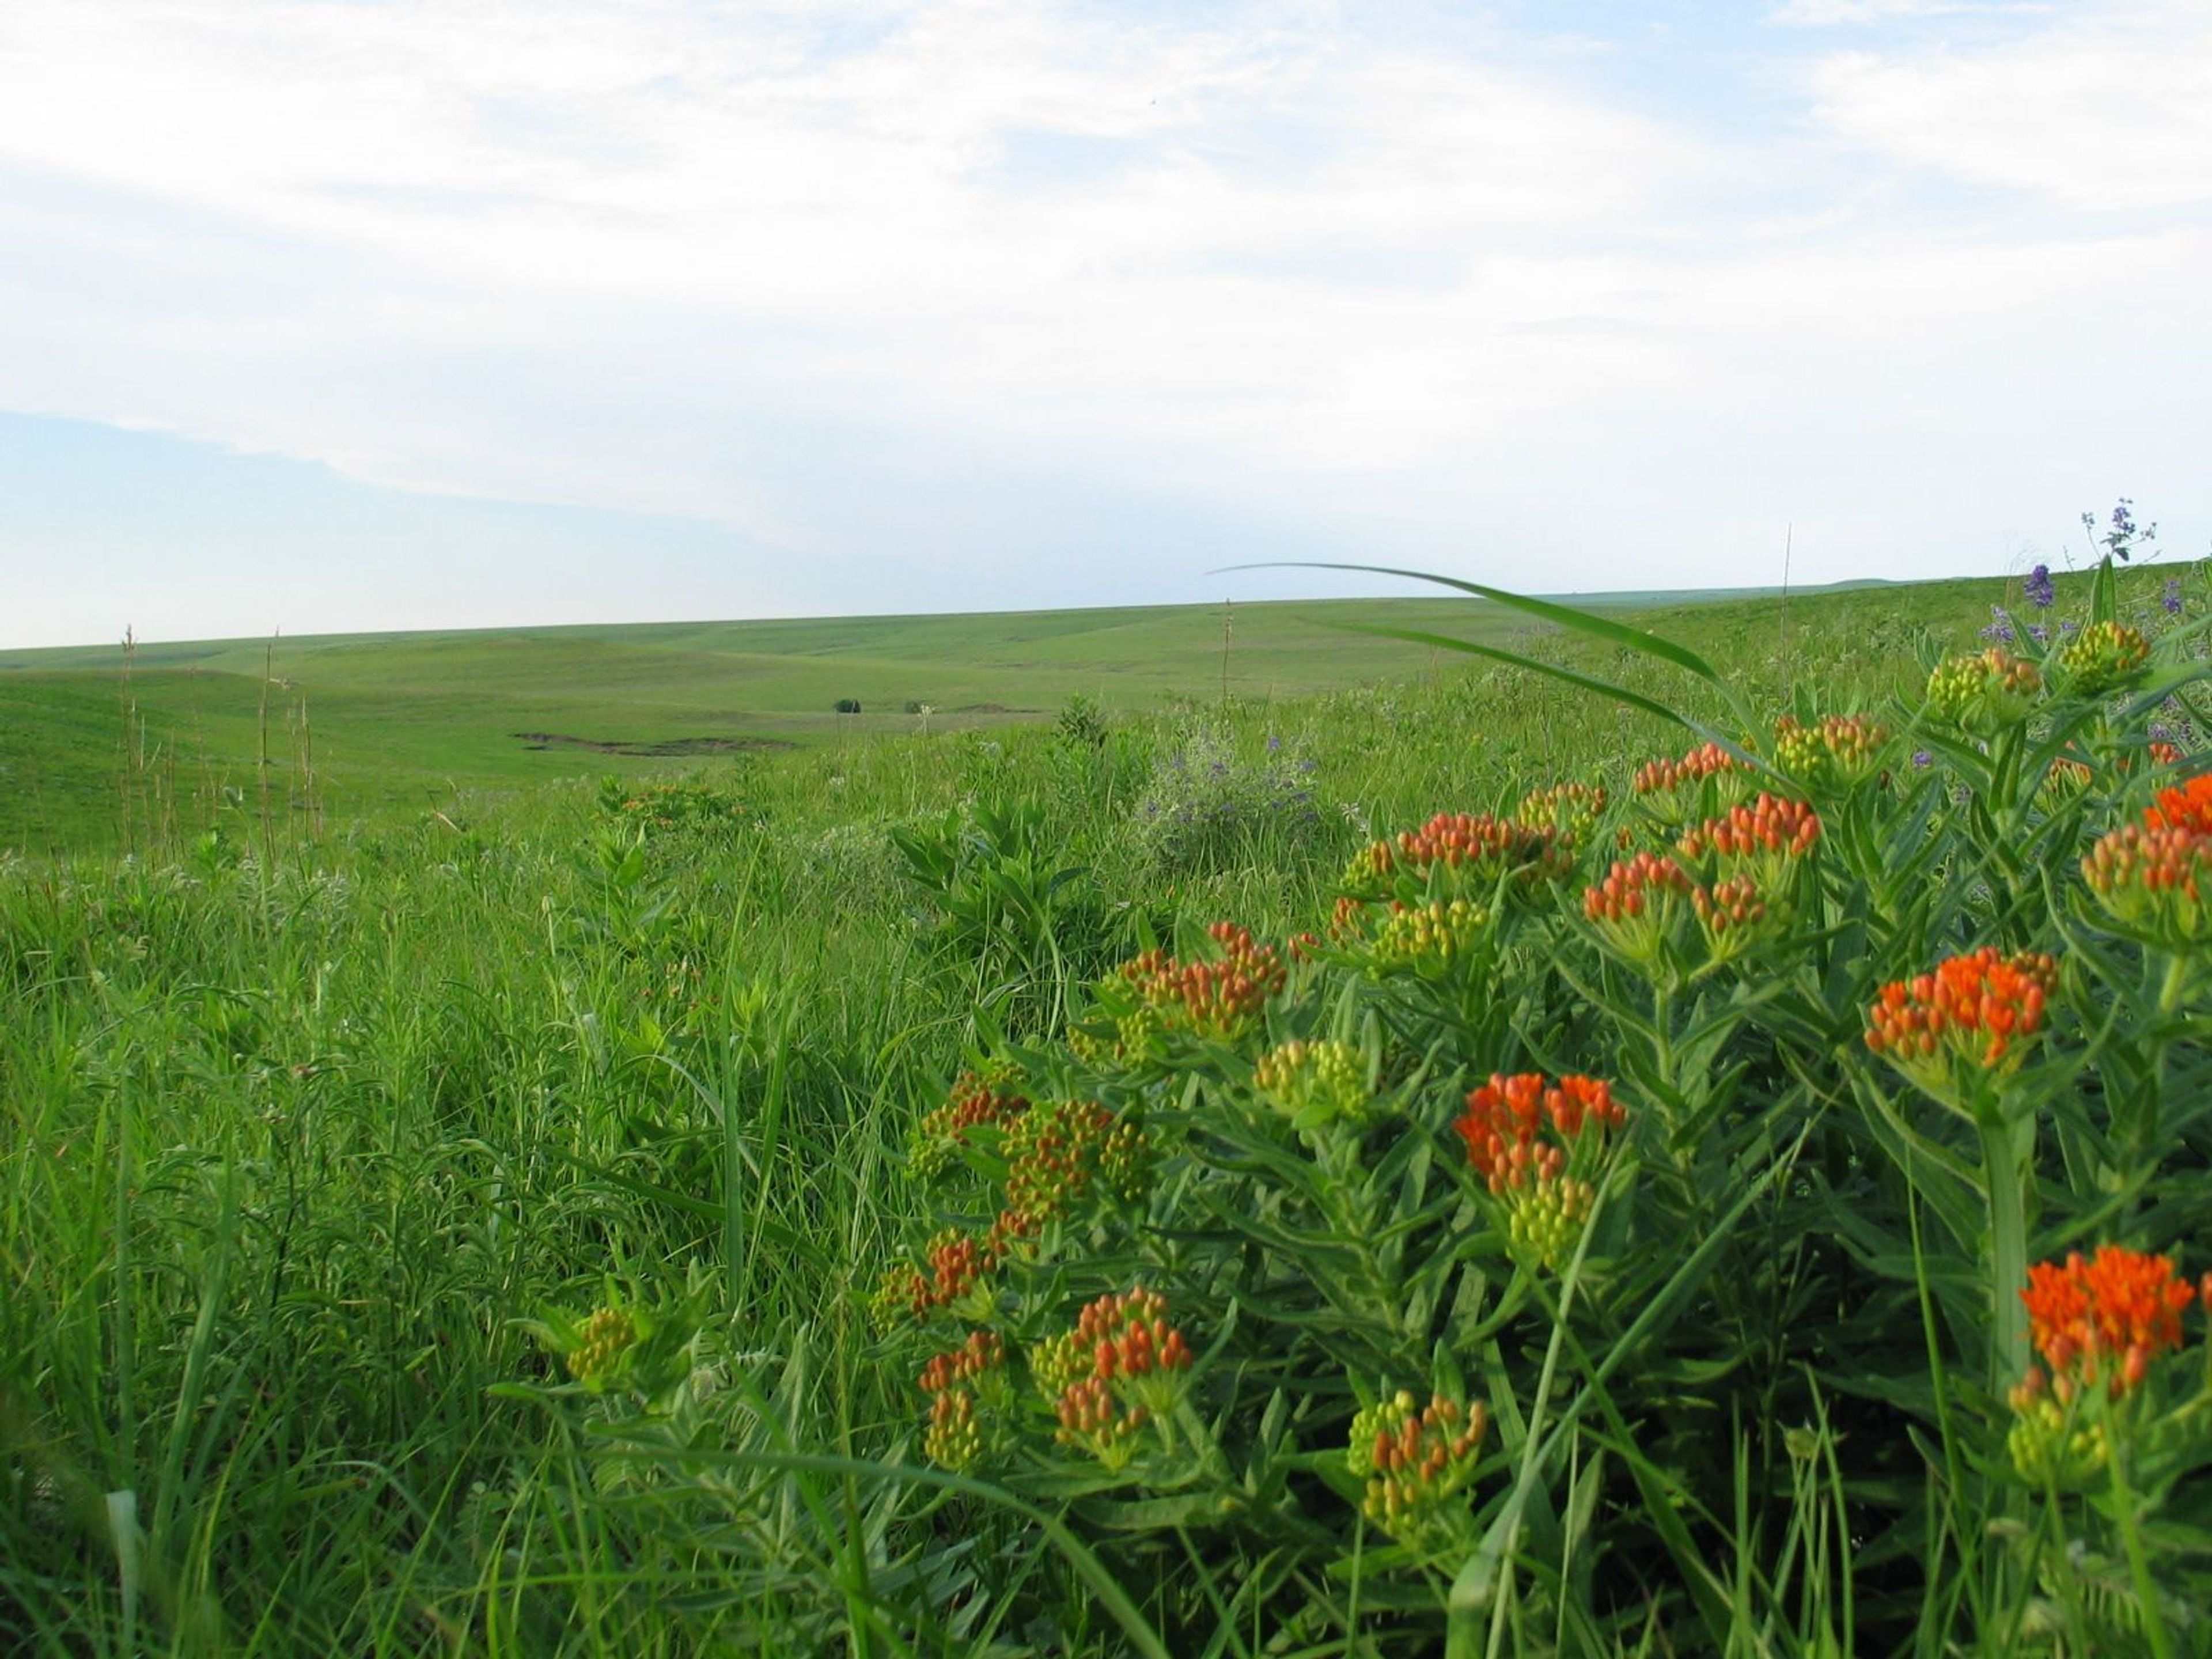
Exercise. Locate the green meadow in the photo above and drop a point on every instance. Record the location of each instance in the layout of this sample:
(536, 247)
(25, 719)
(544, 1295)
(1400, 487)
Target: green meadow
(1683, 1129)
(352, 727)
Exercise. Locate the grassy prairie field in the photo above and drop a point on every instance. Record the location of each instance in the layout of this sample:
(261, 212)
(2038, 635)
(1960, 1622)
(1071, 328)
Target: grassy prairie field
(1118, 1176)
(359, 726)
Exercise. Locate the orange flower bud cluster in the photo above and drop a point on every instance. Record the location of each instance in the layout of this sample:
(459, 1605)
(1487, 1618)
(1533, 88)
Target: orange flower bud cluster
(1770, 828)
(1837, 753)
(2153, 882)
(1058, 1154)
(978, 1099)
(1416, 1460)
(1704, 781)
(983, 1352)
(1729, 910)
(1221, 997)
(1640, 906)
(1534, 1143)
(1970, 1016)
(1475, 850)
(957, 1265)
(1707, 760)
(1123, 1365)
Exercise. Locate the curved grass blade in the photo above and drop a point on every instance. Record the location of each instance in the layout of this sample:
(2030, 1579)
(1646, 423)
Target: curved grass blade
(1566, 615)
(1586, 681)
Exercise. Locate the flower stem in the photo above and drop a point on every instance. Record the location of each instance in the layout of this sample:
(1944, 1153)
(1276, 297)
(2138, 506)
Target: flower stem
(2124, 1500)
(2005, 1167)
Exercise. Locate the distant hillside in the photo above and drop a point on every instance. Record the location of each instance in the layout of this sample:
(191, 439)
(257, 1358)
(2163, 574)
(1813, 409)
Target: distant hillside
(357, 724)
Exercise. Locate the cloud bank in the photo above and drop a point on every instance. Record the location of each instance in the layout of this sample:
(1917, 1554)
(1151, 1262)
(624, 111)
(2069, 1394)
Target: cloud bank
(1022, 304)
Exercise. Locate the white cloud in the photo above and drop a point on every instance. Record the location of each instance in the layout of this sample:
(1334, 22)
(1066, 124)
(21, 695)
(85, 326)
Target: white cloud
(2112, 112)
(803, 269)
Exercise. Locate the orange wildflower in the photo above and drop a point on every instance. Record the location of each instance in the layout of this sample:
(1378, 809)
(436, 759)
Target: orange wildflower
(1973, 1012)
(2188, 807)
(2106, 1319)
(1533, 1143)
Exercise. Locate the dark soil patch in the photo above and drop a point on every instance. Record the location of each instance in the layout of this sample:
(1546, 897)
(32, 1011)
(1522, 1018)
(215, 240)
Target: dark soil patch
(664, 749)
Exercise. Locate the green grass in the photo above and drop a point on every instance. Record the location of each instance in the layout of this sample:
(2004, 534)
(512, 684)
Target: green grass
(367, 727)
(301, 1131)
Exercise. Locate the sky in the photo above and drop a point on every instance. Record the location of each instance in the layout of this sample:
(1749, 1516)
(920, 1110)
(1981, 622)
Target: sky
(336, 315)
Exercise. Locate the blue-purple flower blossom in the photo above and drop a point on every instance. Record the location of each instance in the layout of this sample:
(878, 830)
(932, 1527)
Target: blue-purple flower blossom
(2041, 592)
(1999, 632)
(2171, 599)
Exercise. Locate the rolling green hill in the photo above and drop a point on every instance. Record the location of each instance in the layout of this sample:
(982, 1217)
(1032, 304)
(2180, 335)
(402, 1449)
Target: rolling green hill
(348, 726)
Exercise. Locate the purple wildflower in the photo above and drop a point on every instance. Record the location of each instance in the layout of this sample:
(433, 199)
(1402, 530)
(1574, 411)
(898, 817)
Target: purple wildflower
(1999, 632)
(2038, 633)
(2041, 593)
(1923, 760)
(2172, 598)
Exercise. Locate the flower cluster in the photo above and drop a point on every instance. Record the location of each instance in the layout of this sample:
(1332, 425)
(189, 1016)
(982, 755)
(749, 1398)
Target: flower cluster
(952, 1381)
(953, 1441)
(604, 1343)
(1571, 810)
(1704, 780)
(1473, 851)
(1415, 1460)
(1314, 1084)
(1123, 1365)
(958, 1265)
(2067, 780)
(2101, 657)
(1058, 1154)
(2098, 1324)
(1984, 692)
(982, 1354)
(1218, 998)
(2188, 807)
(2153, 883)
(1638, 909)
(2125, 537)
(1764, 837)
(1534, 1143)
(2041, 591)
(1966, 1023)
(2106, 1319)
(981, 1099)
(1426, 940)
(1834, 755)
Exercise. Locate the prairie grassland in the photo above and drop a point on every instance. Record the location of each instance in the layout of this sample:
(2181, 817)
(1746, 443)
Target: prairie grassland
(516, 1222)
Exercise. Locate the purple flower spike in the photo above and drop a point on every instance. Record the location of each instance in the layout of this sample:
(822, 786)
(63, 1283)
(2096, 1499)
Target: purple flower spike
(1922, 759)
(2172, 598)
(1999, 632)
(2040, 592)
